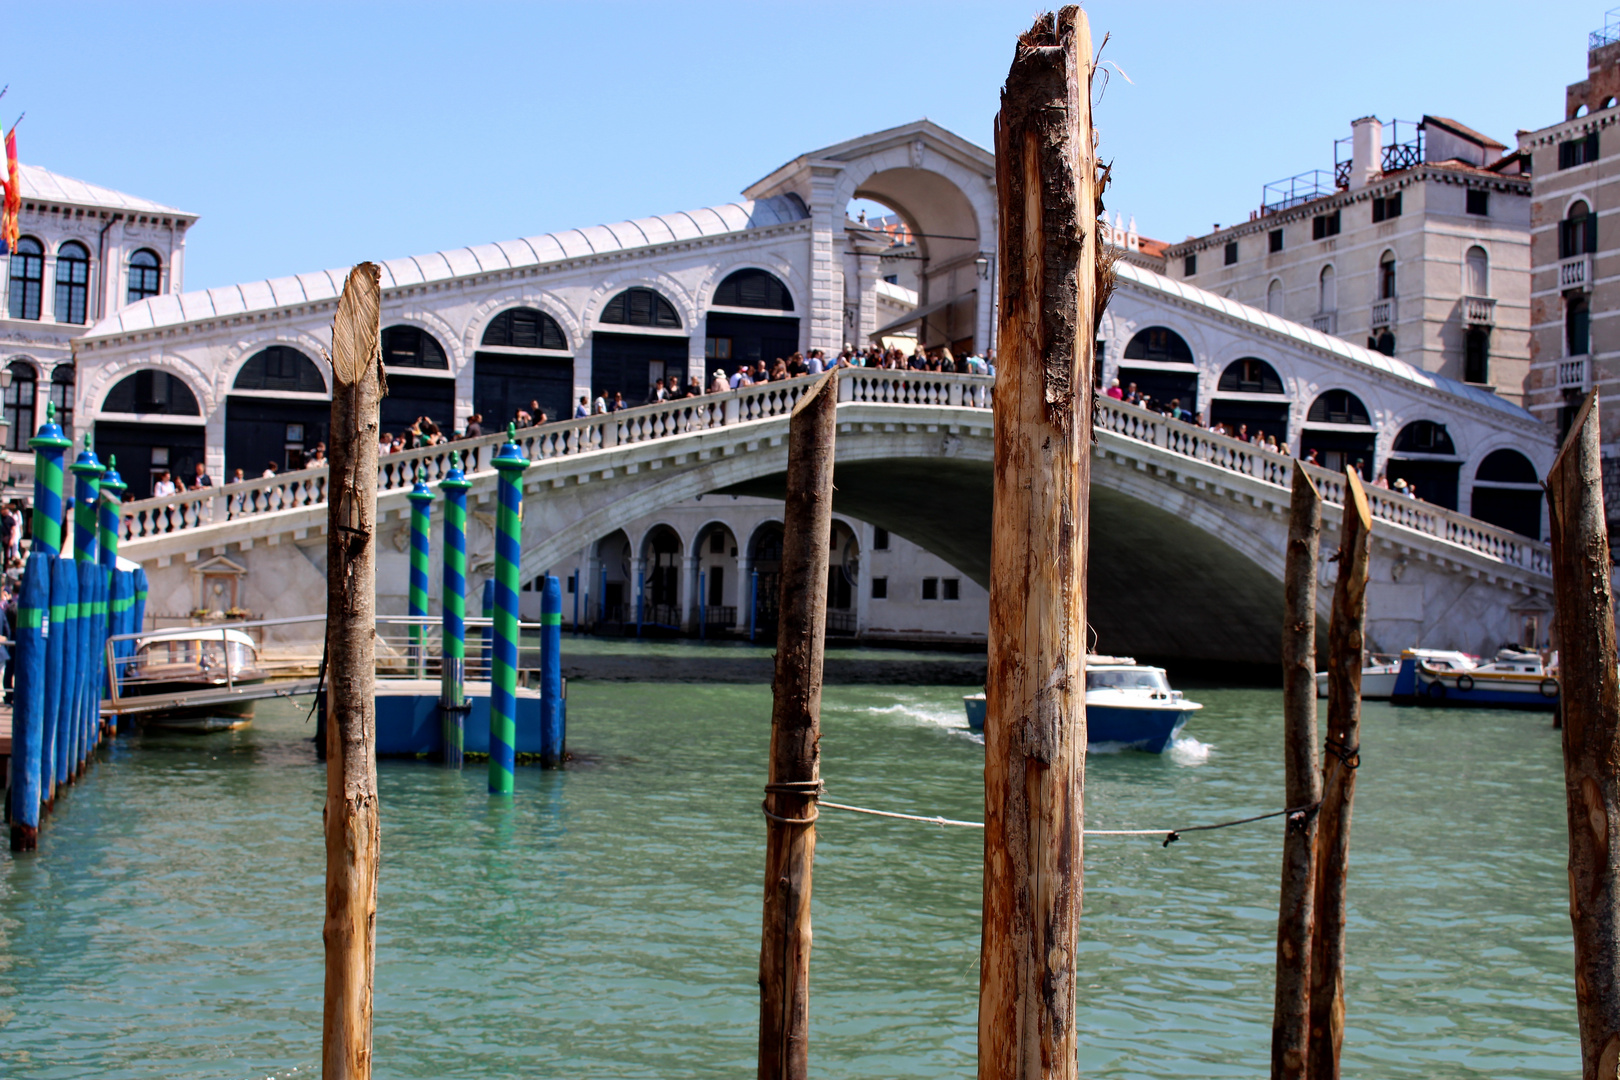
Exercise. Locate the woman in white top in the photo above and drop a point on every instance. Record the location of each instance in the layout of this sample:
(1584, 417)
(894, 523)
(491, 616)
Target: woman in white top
(164, 486)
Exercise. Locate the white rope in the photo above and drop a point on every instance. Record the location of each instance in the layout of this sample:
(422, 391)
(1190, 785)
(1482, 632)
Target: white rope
(1170, 834)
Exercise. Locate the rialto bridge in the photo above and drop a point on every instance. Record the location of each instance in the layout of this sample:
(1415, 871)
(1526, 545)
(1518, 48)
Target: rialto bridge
(1187, 527)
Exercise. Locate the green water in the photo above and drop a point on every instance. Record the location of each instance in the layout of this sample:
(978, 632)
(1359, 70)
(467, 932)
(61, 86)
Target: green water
(604, 923)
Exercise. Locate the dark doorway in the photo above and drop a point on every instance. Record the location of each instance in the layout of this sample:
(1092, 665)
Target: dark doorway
(259, 431)
(503, 384)
(628, 364)
(1265, 417)
(767, 566)
(410, 396)
(143, 450)
(1338, 450)
(1515, 509)
(1431, 480)
(730, 340)
(1163, 386)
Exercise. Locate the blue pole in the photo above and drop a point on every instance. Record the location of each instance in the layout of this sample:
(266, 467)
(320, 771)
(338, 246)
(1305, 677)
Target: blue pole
(553, 740)
(641, 599)
(52, 748)
(122, 615)
(28, 710)
(489, 631)
(576, 601)
(65, 635)
(86, 710)
(703, 610)
(753, 602)
(453, 610)
(509, 466)
(421, 500)
(604, 594)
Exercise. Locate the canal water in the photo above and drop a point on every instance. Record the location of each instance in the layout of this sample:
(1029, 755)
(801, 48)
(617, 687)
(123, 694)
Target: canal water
(605, 921)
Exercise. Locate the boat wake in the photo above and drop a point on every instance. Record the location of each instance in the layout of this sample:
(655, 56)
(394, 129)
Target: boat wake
(1187, 750)
(951, 720)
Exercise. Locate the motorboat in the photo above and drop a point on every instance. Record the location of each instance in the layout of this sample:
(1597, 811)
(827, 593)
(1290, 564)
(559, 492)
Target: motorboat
(190, 665)
(1379, 673)
(1514, 679)
(1128, 705)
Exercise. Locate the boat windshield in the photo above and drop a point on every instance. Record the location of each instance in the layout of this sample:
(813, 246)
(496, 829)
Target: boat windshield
(1130, 679)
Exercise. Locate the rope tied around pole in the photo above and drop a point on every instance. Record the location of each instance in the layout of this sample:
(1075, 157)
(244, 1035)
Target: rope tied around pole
(810, 789)
(1350, 756)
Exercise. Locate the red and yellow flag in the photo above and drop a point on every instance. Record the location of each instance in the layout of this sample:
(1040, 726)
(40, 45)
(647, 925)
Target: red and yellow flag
(9, 230)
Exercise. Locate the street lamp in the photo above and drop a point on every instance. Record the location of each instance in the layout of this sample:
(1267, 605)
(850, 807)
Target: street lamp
(982, 264)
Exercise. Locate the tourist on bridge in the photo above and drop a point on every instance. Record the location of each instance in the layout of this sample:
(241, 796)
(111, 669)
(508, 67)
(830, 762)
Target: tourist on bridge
(202, 479)
(581, 410)
(164, 487)
(475, 425)
(1115, 392)
(719, 384)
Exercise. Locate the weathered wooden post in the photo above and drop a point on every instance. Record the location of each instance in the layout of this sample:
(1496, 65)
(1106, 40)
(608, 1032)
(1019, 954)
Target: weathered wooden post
(453, 706)
(1590, 693)
(1290, 1024)
(352, 823)
(790, 794)
(1345, 641)
(1035, 728)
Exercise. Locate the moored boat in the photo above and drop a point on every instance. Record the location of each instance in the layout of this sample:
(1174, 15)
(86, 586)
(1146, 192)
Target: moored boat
(185, 661)
(1128, 704)
(1515, 679)
(1379, 674)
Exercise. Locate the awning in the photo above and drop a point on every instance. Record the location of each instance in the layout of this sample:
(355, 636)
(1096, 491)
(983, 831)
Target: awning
(919, 314)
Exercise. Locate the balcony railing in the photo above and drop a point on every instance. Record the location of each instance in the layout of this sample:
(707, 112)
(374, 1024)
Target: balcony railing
(1575, 272)
(1325, 321)
(1383, 312)
(1572, 373)
(1479, 310)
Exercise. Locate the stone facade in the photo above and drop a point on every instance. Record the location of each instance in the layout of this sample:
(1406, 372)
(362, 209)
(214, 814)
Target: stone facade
(1457, 249)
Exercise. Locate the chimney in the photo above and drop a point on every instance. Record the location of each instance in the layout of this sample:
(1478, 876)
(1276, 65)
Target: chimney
(1366, 151)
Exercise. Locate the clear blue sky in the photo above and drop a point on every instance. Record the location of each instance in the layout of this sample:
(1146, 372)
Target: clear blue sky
(313, 136)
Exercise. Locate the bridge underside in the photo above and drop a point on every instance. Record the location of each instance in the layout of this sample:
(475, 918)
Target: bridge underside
(1159, 586)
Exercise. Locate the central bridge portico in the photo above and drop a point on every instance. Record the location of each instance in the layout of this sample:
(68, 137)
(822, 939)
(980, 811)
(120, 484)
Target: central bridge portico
(1187, 527)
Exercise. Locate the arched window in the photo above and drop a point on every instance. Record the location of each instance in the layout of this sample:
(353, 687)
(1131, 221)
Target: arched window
(1158, 343)
(1386, 276)
(145, 275)
(1338, 407)
(19, 404)
(1424, 437)
(63, 377)
(1506, 493)
(1577, 233)
(1477, 279)
(151, 392)
(525, 328)
(641, 307)
(1250, 375)
(410, 347)
(72, 282)
(753, 289)
(1274, 297)
(27, 278)
(280, 368)
(1327, 291)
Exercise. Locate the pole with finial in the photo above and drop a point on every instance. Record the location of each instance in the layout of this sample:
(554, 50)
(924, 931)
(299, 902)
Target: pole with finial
(50, 448)
(421, 500)
(120, 587)
(509, 465)
(87, 472)
(453, 609)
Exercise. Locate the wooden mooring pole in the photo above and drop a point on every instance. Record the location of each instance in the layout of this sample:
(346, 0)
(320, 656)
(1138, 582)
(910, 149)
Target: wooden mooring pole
(1302, 784)
(795, 781)
(1590, 692)
(352, 825)
(1035, 724)
(1345, 638)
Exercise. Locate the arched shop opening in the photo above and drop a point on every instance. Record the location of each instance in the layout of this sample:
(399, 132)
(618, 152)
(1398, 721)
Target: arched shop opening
(1250, 393)
(148, 447)
(744, 323)
(419, 381)
(524, 359)
(1507, 493)
(628, 362)
(609, 593)
(843, 578)
(1160, 363)
(1425, 458)
(764, 588)
(715, 549)
(661, 580)
(1339, 428)
(277, 411)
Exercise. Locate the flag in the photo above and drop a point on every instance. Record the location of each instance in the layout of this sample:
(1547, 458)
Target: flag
(9, 230)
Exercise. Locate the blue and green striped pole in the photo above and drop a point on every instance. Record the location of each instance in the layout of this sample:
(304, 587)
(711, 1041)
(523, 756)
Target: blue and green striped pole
(87, 473)
(509, 465)
(28, 711)
(421, 551)
(453, 611)
(112, 514)
(86, 696)
(553, 743)
(64, 672)
(50, 448)
(52, 747)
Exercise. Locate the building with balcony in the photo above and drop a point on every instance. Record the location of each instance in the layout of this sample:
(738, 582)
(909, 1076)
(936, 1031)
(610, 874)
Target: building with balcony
(1416, 245)
(84, 252)
(1575, 255)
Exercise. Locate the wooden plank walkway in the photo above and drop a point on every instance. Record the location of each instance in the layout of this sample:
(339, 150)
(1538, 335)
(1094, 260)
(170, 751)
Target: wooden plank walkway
(5, 730)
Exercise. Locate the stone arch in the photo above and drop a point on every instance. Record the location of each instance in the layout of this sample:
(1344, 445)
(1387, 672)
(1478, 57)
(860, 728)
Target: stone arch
(540, 300)
(778, 267)
(660, 282)
(244, 349)
(100, 380)
(430, 322)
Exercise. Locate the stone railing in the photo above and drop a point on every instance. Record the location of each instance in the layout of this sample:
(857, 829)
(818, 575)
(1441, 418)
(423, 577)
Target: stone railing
(565, 438)
(1246, 459)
